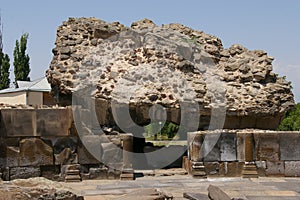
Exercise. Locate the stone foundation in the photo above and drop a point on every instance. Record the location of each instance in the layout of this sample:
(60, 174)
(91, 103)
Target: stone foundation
(243, 153)
(44, 142)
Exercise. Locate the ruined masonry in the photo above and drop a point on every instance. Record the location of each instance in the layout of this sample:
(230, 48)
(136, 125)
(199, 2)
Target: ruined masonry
(109, 79)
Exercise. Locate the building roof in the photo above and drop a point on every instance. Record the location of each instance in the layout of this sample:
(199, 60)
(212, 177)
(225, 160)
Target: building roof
(39, 85)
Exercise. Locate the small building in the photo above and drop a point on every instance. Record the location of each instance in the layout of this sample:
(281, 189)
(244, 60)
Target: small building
(28, 93)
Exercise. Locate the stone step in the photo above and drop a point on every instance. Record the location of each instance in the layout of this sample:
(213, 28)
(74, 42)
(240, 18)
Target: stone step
(250, 172)
(249, 167)
(72, 172)
(127, 176)
(250, 176)
(72, 178)
(199, 173)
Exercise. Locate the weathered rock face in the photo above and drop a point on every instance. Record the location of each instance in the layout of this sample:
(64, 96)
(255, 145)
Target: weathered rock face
(35, 188)
(189, 73)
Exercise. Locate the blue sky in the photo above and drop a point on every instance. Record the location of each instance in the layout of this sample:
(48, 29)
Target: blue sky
(269, 25)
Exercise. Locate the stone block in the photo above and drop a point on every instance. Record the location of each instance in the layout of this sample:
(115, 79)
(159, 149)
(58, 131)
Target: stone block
(66, 157)
(289, 146)
(195, 141)
(261, 168)
(216, 193)
(90, 150)
(35, 152)
(5, 174)
(240, 146)
(267, 146)
(3, 149)
(228, 147)
(18, 122)
(112, 156)
(292, 168)
(98, 173)
(231, 169)
(53, 122)
(211, 147)
(275, 168)
(212, 168)
(12, 156)
(24, 172)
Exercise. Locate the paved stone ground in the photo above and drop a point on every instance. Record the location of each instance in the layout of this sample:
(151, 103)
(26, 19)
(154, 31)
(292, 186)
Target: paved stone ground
(176, 185)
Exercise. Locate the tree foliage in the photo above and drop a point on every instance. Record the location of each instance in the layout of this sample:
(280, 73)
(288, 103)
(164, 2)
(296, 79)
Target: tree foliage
(291, 121)
(4, 64)
(4, 71)
(21, 60)
(168, 129)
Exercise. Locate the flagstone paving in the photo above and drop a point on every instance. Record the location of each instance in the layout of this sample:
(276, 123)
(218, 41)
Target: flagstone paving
(248, 189)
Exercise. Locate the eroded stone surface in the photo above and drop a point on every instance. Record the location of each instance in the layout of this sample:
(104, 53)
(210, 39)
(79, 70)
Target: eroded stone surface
(148, 64)
(35, 188)
(35, 152)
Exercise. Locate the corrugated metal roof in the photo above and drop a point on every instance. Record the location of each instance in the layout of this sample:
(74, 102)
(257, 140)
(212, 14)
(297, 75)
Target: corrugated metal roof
(39, 85)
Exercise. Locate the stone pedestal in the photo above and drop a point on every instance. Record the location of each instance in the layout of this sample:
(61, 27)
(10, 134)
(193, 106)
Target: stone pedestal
(127, 170)
(198, 170)
(72, 173)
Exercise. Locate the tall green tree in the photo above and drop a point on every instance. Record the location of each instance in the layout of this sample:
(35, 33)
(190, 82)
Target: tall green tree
(4, 72)
(4, 64)
(21, 60)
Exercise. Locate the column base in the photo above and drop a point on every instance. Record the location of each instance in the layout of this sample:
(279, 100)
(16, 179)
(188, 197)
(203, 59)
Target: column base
(249, 170)
(127, 174)
(198, 170)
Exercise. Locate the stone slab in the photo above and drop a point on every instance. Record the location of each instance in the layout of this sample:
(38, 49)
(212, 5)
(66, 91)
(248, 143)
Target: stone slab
(212, 168)
(211, 147)
(18, 122)
(292, 168)
(228, 147)
(12, 156)
(231, 169)
(53, 122)
(289, 146)
(195, 196)
(267, 146)
(215, 193)
(90, 151)
(275, 168)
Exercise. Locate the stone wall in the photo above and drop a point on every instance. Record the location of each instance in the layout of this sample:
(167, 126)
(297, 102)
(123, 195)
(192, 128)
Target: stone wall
(44, 142)
(247, 153)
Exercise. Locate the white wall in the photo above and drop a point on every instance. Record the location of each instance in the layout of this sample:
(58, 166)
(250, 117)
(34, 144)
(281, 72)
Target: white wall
(13, 98)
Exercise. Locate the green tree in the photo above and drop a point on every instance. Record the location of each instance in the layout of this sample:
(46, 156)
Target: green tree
(168, 129)
(21, 60)
(291, 121)
(4, 64)
(4, 71)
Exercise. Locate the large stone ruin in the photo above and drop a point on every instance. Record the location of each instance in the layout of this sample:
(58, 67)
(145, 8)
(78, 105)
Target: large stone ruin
(186, 71)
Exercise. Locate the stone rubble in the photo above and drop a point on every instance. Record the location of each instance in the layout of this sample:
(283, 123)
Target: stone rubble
(146, 64)
(34, 189)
